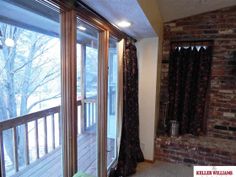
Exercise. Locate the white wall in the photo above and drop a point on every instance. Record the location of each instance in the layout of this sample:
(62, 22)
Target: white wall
(147, 63)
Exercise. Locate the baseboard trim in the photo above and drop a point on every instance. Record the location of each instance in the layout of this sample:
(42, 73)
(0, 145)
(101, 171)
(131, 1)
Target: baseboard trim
(149, 161)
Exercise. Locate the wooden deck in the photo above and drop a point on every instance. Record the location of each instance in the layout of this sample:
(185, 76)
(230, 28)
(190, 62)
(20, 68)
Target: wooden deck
(50, 164)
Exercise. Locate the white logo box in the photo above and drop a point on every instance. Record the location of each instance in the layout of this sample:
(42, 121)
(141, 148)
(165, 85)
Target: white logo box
(214, 171)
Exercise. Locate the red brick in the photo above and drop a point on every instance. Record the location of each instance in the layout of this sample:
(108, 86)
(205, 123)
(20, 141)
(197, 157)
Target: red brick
(196, 151)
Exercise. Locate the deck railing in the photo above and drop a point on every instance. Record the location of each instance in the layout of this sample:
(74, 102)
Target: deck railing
(23, 121)
(90, 113)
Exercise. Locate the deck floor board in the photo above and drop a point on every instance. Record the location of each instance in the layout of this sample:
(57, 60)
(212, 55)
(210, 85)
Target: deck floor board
(51, 164)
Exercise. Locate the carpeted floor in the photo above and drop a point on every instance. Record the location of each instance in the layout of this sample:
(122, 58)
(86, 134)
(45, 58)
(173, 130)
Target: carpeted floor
(163, 169)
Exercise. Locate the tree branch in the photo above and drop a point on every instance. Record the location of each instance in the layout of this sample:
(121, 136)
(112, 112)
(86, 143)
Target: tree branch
(41, 84)
(47, 76)
(43, 100)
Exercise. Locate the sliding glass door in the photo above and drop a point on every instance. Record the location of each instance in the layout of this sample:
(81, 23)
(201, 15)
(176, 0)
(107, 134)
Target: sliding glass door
(37, 92)
(87, 85)
(112, 102)
(87, 92)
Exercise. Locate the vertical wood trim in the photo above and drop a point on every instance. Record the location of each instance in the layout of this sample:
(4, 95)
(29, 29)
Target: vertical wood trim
(2, 162)
(37, 138)
(26, 144)
(15, 146)
(102, 102)
(69, 102)
(46, 135)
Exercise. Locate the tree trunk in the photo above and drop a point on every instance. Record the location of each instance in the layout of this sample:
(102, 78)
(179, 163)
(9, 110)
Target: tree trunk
(9, 54)
(21, 85)
(7, 135)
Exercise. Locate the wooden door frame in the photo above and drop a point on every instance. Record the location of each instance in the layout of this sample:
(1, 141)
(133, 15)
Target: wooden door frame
(102, 102)
(69, 106)
(69, 89)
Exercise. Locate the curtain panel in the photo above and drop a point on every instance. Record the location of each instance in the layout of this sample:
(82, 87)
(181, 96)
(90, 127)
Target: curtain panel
(189, 77)
(130, 152)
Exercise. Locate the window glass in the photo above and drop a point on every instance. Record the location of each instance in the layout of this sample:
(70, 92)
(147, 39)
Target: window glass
(87, 81)
(30, 88)
(112, 103)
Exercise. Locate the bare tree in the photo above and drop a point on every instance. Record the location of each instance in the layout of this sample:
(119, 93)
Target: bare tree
(27, 68)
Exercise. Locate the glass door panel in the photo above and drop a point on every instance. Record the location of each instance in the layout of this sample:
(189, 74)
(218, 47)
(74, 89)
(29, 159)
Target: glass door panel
(87, 76)
(112, 103)
(30, 89)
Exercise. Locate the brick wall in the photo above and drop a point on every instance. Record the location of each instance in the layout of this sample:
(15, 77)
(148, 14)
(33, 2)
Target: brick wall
(198, 151)
(219, 26)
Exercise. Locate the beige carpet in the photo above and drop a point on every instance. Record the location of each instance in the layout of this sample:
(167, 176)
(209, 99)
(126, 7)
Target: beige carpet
(163, 169)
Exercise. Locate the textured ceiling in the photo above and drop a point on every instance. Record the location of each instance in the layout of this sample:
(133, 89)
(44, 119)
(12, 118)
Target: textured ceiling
(117, 10)
(175, 9)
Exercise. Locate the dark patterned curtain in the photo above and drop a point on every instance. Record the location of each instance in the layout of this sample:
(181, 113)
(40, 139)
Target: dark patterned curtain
(130, 152)
(189, 76)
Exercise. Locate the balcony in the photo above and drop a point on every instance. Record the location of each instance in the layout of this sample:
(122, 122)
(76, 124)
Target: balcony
(44, 157)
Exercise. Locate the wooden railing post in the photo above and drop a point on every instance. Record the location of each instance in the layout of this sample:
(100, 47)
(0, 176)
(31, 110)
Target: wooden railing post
(89, 115)
(46, 135)
(60, 128)
(53, 131)
(92, 116)
(37, 138)
(2, 162)
(26, 144)
(85, 117)
(15, 147)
